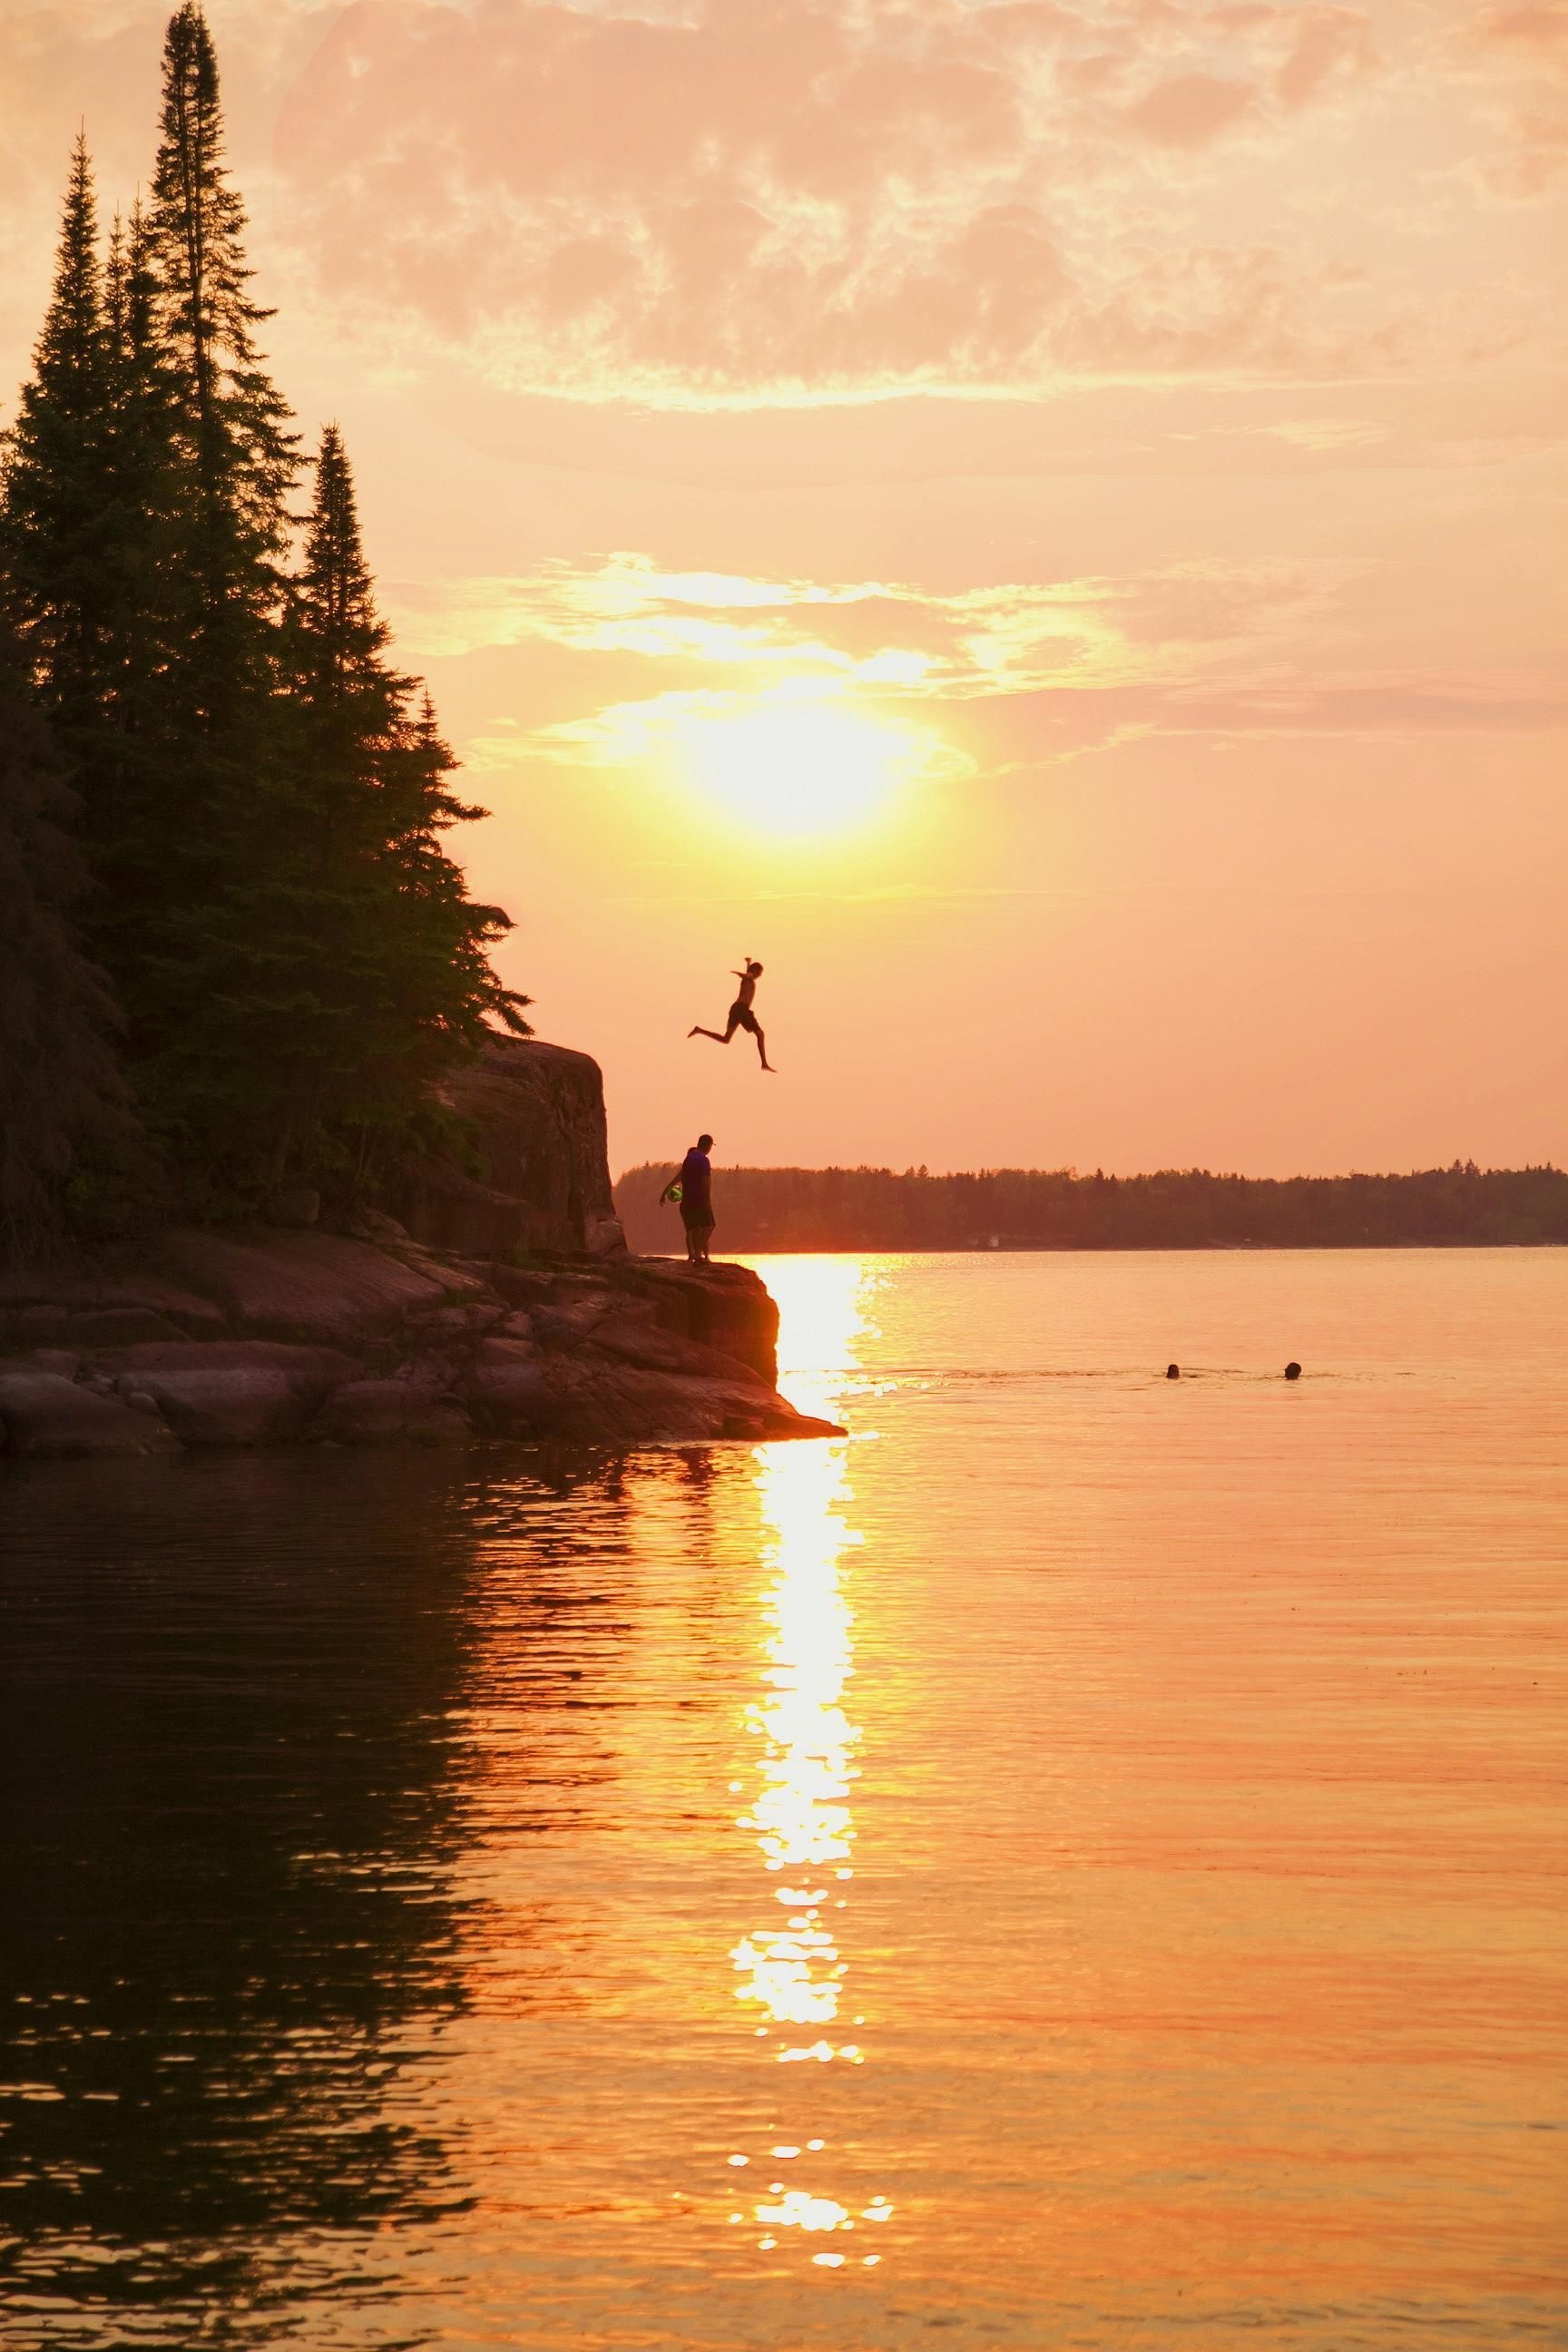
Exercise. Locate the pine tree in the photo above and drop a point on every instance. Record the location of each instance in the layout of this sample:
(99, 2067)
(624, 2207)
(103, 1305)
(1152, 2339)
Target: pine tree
(81, 564)
(128, 769)
(260, 801)
(56, 504)
(205, 436)
(70, 1149)
(394, 946)
(243, 454)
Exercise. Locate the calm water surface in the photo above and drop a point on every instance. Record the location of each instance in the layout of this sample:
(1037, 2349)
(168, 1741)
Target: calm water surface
(1077, 1864)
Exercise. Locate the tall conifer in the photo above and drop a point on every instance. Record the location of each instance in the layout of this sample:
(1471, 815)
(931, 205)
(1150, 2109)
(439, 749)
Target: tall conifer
(243, 453)
(260, 801)
(209, 434)
(400, 977)
(56, 503)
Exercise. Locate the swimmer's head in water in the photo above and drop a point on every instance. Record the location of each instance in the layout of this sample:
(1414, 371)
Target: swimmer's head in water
(705, 1143)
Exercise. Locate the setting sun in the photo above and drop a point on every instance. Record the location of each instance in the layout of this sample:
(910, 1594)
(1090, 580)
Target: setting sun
(799, 766)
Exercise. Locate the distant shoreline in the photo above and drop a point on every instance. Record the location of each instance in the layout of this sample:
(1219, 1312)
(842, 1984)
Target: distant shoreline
(1102, 1249)
(786, 1211)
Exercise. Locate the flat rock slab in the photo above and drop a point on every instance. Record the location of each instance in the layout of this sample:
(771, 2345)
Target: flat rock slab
(88, 1311)
(300, 1286)
(44, 1415)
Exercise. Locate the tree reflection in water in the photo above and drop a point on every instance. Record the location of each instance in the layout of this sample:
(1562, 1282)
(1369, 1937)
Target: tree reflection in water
(232, 1721)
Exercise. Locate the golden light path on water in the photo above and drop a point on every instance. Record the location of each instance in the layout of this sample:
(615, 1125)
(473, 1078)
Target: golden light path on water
(791, 1966)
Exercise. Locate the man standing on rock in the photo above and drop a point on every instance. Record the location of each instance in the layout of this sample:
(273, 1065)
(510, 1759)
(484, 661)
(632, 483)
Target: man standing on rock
(693, 1187)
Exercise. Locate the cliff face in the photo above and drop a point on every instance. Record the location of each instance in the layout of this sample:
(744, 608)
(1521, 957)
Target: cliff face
(535, 1118)
(429, 1333)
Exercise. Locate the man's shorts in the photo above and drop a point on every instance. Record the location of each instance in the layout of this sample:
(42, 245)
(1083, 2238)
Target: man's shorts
(743, 1017)
(697, 1216)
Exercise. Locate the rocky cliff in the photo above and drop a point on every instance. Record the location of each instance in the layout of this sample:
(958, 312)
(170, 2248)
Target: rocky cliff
(527, 1168)
(505, 1307)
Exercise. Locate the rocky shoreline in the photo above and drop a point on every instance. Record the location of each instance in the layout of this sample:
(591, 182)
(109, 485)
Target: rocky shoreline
(265, 1338)
(505, 1307)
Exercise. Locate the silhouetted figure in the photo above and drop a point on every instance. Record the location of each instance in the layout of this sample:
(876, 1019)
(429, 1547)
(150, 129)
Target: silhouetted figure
(693, 1189)
(1293, 1372)
(741, 1015)
(1173, 1371)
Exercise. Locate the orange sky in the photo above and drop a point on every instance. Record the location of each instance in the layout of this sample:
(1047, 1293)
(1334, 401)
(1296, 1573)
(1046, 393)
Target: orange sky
(1044, 523)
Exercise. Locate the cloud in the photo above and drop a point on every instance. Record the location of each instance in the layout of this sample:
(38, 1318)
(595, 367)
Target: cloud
(1192, 109)
(886, 638)
(804, 198)
(1003, 680)
(1522, 54)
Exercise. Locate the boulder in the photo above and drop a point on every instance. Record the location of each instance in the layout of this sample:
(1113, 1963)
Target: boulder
(725, 1308)
(651, 1348)
(44, 1415)
(517, 1395)
(391, 1412)
(540, 1182)
(232, 1391)
(83, 1309)
(622, 1406)
(225, 1408)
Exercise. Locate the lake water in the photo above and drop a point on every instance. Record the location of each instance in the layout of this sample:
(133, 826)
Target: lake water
(1077, 1864)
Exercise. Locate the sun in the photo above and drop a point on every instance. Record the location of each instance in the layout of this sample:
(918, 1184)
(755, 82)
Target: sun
(792, 766)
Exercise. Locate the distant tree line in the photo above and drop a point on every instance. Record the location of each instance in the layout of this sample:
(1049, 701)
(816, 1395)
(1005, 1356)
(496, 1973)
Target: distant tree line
(764, 1209)
(232, 948)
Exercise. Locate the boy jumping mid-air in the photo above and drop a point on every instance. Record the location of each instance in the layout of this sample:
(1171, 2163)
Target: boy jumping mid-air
(741, 1014)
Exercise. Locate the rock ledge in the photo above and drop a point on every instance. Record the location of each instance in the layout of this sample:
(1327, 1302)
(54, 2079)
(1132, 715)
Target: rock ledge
(256, 1337)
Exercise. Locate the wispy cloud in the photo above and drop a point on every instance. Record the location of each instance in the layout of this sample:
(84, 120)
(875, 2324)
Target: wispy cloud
(1011, 678)
(891, 638)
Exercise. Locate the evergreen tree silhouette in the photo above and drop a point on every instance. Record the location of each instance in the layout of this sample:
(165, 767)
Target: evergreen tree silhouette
(259, 794)
(56, 513)
(243, 454)
(395, 948)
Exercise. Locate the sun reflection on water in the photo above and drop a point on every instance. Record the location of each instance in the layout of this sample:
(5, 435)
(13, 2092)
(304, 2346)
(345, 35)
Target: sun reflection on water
(791, 1967)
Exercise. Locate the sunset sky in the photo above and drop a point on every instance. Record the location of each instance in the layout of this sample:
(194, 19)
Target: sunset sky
(1043, 523)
